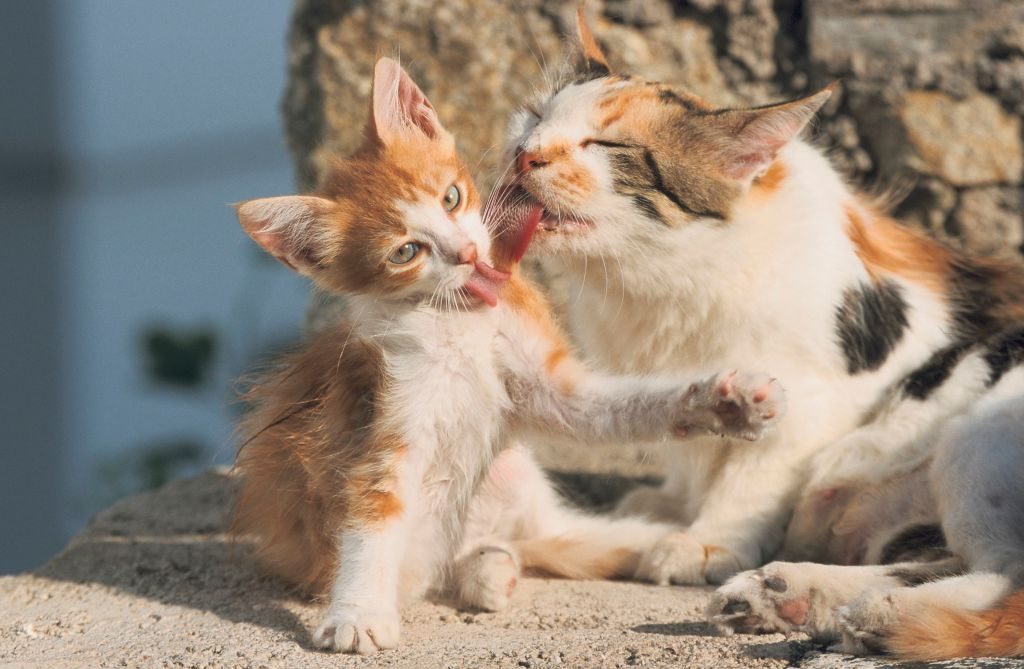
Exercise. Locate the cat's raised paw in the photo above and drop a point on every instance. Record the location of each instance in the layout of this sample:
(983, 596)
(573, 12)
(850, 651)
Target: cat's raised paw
(357, 629)
(485, 578)
(734, 404)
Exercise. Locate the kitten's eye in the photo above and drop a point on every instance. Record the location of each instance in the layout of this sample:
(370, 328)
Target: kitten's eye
(452, 198)
(404, 253)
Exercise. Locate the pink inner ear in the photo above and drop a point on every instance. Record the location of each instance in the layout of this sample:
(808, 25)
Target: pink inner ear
(747, 164)
(398, 103)
(415, 106)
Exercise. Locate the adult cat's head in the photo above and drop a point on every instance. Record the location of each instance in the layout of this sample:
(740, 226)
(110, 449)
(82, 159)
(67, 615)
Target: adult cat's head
(398, 220)
(605, 160)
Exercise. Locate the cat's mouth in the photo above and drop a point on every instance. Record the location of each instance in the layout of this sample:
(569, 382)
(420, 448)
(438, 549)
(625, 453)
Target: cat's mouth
(525, 216)
(485, 282)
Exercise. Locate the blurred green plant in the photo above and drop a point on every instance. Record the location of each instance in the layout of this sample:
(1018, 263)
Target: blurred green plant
(181, 359)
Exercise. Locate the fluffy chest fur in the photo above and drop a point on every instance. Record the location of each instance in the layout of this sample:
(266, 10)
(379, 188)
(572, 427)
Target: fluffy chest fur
(444, 392)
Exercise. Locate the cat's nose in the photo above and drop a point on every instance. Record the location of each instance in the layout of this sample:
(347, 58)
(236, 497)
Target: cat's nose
(529, 160)
(467, 254)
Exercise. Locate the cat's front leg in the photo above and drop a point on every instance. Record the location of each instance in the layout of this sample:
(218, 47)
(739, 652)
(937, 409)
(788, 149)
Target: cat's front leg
(731, 404)
(593, 407)
(363, 613)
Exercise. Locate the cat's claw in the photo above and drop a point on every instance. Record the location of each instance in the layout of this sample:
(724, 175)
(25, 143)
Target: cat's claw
(356, 629)
(733, 404)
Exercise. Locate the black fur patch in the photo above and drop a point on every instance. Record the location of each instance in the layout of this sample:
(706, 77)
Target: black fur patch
(671, 97)
(644, 204)
(984, 293)
(926, 572)
(1004, 352)
(915, 543)
(870, 322)
(920, 383)
(585, 70)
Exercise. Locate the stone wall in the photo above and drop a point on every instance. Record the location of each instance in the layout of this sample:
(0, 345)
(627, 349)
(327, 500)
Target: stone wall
(929, 108)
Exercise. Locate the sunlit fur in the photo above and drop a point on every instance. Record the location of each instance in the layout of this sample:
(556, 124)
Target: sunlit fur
(367, 455)
(688, 235)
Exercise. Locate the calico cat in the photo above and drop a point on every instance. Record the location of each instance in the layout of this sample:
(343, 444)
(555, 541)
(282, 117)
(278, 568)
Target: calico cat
(365, 450)
(693, 235)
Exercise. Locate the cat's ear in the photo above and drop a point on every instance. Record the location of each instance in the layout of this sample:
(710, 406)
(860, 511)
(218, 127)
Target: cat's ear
(758, 134)
(399, 106)
(291, 228)
(591, 60)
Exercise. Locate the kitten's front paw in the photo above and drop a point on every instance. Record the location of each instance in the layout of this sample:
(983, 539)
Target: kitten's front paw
(357, 629)
(733, 404)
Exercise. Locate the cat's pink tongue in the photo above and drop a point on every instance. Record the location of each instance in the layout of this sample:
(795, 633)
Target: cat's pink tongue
(485, 281)
(524, 235)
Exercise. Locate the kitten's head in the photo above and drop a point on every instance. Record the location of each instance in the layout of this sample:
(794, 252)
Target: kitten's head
(398, 220)
(604, 161)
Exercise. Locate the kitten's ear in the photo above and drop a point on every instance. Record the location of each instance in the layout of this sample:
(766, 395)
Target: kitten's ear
(759, 133)
(290, 227)
(399, 106)
(591, 60)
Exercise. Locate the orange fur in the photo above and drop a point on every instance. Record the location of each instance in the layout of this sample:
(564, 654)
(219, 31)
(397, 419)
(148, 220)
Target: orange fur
(772, 179)
(940, 634)
(568, 557)
(310, 460)
(560, 364)
(591, 50)
(887, 247)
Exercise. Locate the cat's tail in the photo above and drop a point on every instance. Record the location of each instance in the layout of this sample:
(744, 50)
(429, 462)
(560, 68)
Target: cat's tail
(946, 633)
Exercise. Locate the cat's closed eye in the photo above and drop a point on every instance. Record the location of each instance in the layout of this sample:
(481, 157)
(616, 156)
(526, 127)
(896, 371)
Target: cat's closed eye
(405, 253)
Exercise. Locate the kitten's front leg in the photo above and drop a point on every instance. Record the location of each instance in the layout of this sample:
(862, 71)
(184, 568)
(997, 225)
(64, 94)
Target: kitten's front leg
(594, 407)
(731, 404)
(363, 614)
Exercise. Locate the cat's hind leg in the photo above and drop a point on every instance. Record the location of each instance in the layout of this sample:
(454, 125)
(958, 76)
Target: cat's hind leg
(931, 621)
(518, 520)
(806, 597)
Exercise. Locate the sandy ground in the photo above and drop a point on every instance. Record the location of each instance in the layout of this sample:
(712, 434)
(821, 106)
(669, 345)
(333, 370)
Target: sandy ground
(153, 582)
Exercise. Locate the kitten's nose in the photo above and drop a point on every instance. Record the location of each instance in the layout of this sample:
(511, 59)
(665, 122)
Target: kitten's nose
(529, 160)
(467, 254)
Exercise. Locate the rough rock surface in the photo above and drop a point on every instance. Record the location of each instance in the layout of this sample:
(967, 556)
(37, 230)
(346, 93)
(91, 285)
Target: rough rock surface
(154, 582)
(930, 103)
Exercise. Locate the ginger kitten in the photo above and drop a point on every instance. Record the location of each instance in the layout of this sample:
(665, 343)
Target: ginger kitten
(364, 450)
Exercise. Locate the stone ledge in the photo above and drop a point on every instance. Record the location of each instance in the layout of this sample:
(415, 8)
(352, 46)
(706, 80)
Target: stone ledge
(153, 582)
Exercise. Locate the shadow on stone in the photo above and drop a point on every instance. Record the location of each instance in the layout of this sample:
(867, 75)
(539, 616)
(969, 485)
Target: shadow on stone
(790, 651)
(170, 546)
(678, 629)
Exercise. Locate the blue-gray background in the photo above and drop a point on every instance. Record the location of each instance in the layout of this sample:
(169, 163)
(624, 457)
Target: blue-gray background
(126, 128)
